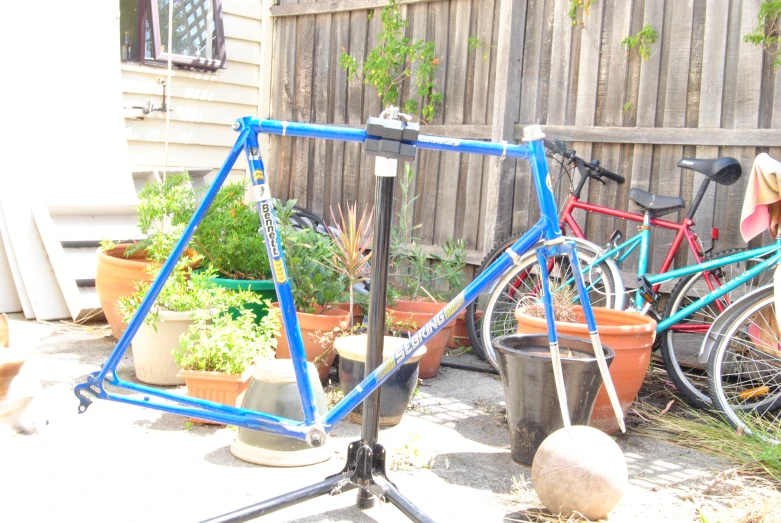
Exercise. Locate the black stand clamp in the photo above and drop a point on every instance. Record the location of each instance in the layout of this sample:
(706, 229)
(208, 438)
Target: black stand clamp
(365, 467)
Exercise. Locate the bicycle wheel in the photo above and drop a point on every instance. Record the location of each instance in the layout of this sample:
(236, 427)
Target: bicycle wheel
(680, 344)
(603, 280)
(475, 309)
(745, 368)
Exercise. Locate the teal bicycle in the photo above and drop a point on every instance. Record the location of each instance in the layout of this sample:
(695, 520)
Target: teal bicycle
(704, 291)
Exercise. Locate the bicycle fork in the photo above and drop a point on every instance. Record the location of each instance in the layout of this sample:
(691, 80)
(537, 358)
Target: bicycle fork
(568, 248)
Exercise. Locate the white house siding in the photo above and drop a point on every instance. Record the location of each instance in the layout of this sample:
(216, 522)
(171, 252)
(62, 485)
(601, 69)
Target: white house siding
(204, 104)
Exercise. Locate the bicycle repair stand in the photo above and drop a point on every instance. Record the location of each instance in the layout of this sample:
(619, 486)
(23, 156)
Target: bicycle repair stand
(365, 467)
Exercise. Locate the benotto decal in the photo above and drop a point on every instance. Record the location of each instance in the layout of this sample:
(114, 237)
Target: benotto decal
(258, 175)
(279, 271)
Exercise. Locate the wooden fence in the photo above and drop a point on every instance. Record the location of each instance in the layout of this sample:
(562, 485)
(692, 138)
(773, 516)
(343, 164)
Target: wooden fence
(702, 92)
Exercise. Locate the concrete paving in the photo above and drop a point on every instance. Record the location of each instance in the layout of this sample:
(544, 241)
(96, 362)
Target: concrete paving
(123, 463)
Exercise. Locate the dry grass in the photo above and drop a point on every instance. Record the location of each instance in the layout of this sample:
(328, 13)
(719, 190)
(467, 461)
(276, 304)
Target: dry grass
(523, 491)
(700, 430)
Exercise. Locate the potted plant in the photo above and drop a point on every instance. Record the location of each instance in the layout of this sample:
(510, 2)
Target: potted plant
(316, 285)
(229, 238)
(184, 295)
(351, 239)
(163, 211)
(217, 354)
(631, 335)
(398, 389)
(421, 284)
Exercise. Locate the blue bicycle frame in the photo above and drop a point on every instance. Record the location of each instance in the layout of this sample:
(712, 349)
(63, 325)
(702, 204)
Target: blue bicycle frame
(315, 423)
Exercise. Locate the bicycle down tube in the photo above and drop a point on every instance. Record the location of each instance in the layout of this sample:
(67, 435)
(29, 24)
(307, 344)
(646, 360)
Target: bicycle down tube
(546, 229)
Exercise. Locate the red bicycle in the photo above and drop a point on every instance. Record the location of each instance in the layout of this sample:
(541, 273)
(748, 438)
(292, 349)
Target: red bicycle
(681, 342)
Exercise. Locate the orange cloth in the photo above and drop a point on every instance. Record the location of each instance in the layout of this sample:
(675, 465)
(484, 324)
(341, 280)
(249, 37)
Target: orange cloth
(762, 204)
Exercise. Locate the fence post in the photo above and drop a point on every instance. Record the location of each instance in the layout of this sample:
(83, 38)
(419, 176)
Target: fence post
(509, 59)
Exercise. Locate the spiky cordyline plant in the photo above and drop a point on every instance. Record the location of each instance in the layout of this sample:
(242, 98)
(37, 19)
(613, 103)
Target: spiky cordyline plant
(351, 240)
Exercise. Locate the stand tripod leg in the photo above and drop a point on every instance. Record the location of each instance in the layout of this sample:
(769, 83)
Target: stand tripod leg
(393, 496)
(328, 486)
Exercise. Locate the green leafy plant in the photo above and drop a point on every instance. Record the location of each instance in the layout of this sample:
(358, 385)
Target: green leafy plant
(475, 43)
(229, 237)
(414, 273)
(641, 42)
(350, 243)
(163, 210)
(574, 5)
(627, 106)
(184, 291)
(390, 62)
(107, 245)
(314, 280)
(767, 34)
(227, 344)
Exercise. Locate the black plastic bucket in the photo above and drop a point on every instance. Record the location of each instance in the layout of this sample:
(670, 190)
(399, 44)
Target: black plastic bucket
(533, 411)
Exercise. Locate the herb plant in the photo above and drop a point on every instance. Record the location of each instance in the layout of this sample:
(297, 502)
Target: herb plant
(225, 344)
(184, 291)
(390, 62)
(314, 280)
(767, 33)
(229, 237)
(163, 211)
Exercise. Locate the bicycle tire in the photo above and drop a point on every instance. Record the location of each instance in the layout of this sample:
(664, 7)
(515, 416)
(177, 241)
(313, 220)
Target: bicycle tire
(472, 308)
(473, 322)
(679, 350)
(522, 280)
(745, 374)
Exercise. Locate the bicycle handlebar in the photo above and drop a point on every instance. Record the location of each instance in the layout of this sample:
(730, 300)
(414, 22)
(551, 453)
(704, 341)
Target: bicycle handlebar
(610, 175)
(556, 146)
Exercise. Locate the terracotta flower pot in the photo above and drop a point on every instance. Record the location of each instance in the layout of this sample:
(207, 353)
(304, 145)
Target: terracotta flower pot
(313, 327)
(412, 315)
(357, 310)
(115, 279)
(460, 337)
(218, 387)
(629, 334)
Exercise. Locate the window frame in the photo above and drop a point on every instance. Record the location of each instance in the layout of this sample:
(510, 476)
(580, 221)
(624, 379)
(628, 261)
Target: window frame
(182, 61)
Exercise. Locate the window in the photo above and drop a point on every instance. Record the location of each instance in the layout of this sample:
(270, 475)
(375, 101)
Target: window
(198, 40)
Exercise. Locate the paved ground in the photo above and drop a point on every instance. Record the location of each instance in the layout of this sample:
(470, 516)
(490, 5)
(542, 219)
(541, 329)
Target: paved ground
(124, 463)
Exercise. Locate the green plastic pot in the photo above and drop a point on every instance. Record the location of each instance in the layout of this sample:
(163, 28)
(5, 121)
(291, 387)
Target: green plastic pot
(263, 288)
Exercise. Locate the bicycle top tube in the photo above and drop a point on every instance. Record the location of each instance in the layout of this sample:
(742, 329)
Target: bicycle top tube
(358, 134)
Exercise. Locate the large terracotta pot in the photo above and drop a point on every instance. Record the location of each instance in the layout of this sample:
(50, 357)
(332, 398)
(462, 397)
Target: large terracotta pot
(313, 328)
(412, 315)
(357, 311)
(218, 387)
(629, 334)
(460, 337)
(115, 279)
